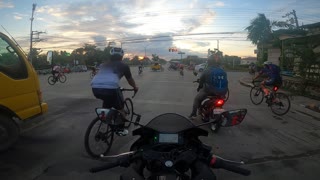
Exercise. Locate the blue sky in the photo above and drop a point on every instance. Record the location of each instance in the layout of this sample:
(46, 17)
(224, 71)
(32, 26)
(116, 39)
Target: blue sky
(193, 26)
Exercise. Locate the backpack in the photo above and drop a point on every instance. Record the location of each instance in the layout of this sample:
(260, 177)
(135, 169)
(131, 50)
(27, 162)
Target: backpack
(219, 81)
(276, 73)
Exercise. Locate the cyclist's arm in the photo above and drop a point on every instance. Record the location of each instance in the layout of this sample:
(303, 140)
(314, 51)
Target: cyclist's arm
(128, 75)
(132, 83)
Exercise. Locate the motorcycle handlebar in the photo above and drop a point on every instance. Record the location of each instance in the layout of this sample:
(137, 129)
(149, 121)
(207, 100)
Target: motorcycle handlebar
(220, 163)
(121, 160)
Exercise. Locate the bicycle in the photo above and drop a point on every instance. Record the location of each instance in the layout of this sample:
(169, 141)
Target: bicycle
(55, 78)
(140, 71)
(108, 126)
(277, 101)
(92, 74)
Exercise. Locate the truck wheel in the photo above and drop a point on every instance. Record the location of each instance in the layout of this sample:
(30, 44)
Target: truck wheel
(9, 132)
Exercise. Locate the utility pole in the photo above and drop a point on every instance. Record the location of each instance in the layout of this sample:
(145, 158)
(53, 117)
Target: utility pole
(31, 32)
(181, 54)
(295, 18)
(218, 45)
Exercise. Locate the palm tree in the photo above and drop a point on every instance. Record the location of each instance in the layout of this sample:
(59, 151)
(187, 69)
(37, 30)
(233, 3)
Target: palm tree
(260, 32)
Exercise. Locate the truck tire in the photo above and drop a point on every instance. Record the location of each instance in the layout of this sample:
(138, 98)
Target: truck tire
(9, 132)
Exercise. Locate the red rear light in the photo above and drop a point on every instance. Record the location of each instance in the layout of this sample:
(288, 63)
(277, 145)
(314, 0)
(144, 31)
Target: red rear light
(102, 116)
(219, 102)
(275, 88)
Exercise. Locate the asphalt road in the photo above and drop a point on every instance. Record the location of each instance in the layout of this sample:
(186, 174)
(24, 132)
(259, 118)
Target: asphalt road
(51, 147)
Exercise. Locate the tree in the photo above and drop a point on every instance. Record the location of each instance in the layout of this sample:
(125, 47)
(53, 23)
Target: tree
(260, 33)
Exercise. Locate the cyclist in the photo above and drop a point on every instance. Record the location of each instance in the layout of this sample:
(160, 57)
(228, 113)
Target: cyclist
(213, 81)
(140, 67)
(181, 67)
(105, 84)
(55, 71)
(272, 72)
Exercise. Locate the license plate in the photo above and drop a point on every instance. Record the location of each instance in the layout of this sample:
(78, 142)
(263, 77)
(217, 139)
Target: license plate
(218, 111)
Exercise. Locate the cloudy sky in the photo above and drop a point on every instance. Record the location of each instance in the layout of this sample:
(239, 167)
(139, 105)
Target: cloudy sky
(151, 26)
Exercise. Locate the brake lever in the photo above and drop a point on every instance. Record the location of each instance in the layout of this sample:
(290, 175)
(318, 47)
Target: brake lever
(230, 161)
(117, 156)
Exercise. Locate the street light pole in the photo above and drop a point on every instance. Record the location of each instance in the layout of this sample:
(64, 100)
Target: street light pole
(145, 50)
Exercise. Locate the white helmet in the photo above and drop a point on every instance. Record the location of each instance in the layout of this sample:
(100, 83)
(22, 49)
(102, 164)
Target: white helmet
(267, 63)
(116, 51)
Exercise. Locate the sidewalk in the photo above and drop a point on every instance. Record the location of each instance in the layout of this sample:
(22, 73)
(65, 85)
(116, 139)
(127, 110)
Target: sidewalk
(302, 104)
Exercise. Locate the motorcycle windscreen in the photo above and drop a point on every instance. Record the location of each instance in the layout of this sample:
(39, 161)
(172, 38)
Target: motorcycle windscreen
(170, 123)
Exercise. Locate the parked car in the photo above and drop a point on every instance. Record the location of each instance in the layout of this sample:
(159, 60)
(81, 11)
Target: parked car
(66, 70)
(79, 68)
(200, 67)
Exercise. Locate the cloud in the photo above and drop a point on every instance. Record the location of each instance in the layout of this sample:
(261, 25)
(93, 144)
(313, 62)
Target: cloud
(219, 4)
(100, 40)
(4, 5)
(17, 17)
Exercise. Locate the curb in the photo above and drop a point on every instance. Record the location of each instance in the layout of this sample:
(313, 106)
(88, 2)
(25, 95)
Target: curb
(313, 107)
(245, 84)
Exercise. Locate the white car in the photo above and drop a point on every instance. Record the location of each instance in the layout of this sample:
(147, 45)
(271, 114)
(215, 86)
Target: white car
(200, 67)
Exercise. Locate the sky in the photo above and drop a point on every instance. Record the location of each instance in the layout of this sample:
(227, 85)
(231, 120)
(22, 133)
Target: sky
(147, 26)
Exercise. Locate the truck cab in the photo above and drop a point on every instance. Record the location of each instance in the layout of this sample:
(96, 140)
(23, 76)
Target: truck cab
(20, 94)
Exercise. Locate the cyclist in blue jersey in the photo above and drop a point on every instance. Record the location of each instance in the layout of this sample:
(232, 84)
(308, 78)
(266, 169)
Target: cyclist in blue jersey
(274, 78)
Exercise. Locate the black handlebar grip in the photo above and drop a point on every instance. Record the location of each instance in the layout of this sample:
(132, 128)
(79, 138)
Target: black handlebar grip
(235, 169)
(220, 163)
(105, 167)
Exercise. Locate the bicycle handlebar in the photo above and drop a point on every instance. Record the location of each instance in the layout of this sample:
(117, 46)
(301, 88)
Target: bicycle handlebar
(124, 89)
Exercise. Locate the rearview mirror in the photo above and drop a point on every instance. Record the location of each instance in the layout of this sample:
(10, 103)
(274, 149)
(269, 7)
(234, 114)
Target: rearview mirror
(233, 117)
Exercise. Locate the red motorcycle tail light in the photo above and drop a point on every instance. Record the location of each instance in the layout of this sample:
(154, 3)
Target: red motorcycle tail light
(275, 88)
(220, 102)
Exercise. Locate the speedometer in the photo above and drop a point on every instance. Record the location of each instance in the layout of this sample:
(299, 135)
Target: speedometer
(168, 138)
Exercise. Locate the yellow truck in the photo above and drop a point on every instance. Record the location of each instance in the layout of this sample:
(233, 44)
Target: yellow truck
(20, 94)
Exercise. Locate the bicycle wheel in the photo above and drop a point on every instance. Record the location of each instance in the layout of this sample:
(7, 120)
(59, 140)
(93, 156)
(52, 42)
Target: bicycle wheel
(226, 96)
(256, 95)
(280, 104)
(63, 78)
(51, 80)
(98, 138)
(128, 108)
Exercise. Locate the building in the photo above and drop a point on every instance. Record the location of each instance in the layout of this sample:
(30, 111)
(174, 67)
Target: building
(248, 60)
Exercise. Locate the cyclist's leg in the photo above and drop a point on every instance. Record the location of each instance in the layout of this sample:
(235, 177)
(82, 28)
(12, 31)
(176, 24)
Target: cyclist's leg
(119, 102)
(105, 95)
(268, 82)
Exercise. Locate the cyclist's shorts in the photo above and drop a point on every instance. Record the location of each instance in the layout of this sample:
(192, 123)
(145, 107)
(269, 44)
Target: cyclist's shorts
(273, 82)
(112, 98)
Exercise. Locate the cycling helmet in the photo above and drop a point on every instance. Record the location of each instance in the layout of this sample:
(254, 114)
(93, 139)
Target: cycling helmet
(116, 51)
(267, 63)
